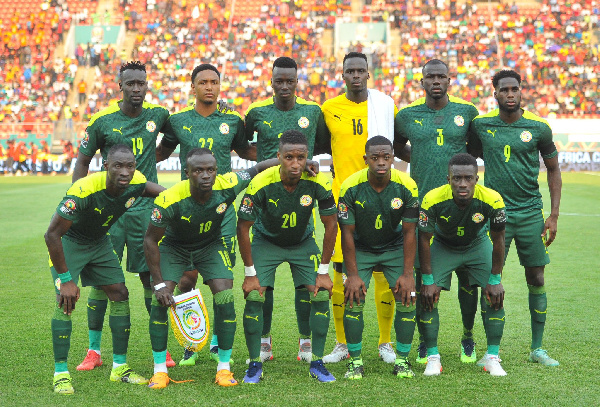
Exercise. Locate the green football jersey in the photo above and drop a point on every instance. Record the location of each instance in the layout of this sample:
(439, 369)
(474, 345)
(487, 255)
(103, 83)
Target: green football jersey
(282, 217)
(92, 210)
(435, 136)
(269, 123)
(461, 228)
(377, 216)
(511, 154)
(190, 224)
(219, 132)
(110, 126)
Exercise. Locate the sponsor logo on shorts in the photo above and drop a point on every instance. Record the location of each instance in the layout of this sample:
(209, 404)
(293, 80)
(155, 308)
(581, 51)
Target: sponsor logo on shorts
(68, 207)
(150, 126)
(478, 218)
(57, 283)
(246, 205)
(303, 122)
(129, 202)
(224, 128)
(397, 203)
(86, 139)
(342, 211)
(156, 215)
(221, 208)
(526, 136)
(459, 121)
(423, 219)
(305, 200)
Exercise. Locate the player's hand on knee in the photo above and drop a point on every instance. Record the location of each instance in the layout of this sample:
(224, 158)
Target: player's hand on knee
(495, 295)
(354, 288)
(251, 284)
(405, 286)
(323, 281)
(430, 294)
(69, 294)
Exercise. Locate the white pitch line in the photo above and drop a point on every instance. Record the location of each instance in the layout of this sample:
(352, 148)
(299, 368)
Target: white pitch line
(596, 174)
(580, 214)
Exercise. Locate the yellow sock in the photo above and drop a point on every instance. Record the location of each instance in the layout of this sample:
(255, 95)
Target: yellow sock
(337, 302)
(385, 304)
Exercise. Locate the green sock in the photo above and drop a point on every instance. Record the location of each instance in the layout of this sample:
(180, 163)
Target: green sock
(214, 341)
(353, 326)
(96, 309)
(419, 309)
(60, 367)
(431, 326)
(159, 357)
(404, 325)
(148, 299)
(226, 323)
(494, 323)
(120, 324)
(267, 313)
(61, 326)
(319, 323)
(95, 340)
(119, 359)
(303, 311)
(538, 304)
(253, 324)
(158, 327)
(467, 298)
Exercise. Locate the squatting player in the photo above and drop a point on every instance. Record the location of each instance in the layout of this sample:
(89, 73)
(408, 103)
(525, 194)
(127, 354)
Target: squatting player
(511, 141)
(189, 216)
(269, 118)
(79, 247)
(456, 216)
(135, 123)
(281, 201)
(377, 212)
(437, 127)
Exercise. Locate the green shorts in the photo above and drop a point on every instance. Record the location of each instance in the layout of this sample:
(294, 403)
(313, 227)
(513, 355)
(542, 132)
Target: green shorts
(476, 262)
(129, 231)
(211, 262)
(303, 258)
(96, 264)
(390, 262)
(526, 229)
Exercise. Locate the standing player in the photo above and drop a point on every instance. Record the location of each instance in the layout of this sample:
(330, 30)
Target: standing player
(280, 201)
(269, 119)
(436, 126)
(135, 123)
(204, 126)
(511, 141)
(455, 215)
(196, 204)
(347, 120)
(377, 211)
(78, 246)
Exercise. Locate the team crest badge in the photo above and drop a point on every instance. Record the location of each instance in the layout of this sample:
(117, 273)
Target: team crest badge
(150, 126)
(129, 202)
(86, 138)
(397, 203)
(156, 215)
(305, 200)
(526, 136)
(303, 122)
(57, 284)
(477, 218)
(423, 219)
(221, 208)
(459, 121)
(224, 128)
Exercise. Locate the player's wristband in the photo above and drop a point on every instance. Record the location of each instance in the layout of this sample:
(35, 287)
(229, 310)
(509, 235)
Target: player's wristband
(65, 277)
(159, 286)
(323, 269)
(249, 271)
(427, 279)
(494, 279)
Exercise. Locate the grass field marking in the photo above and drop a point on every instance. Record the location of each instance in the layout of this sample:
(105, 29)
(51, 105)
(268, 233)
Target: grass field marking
(581, 214)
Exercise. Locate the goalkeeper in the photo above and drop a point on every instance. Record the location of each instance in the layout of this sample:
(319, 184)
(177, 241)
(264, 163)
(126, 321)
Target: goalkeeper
(189, 216)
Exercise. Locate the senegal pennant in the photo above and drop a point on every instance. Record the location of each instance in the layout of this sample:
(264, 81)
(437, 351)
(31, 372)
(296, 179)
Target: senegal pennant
(189, 320)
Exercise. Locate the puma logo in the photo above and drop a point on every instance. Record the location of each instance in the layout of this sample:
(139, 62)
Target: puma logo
(159, 323)
(352, 317)
(447, 219)
(497, 319)
(337, 117)
(268, 123)
(230, 321)
(419, 122)
(427, 322)
(338, 305)
(99, 210)
(322, 313)
(308, 302)
(362, 204)
(538, 312)
(188, 128)
(188, 218)
(467, 291)
(493, 133)
(274, 202)
(251, 317)
(386, 303)
(118, 130)
(92, 307)
(413, 319)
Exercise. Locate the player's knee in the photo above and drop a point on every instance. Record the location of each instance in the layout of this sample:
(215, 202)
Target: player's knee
(117, 292)
(145, 279)
(119, 308)
(321, 296)
(535, 276)
(536, 290)
(98, 294)
(401, 308)
(187, 282)
(356, 308)
(255, 296)
(224, 297)
(59, 314)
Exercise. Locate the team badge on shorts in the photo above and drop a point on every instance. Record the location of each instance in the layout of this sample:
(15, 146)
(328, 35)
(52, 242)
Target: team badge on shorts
(342, 211)
(397, 203)
(129, 202)
(156, 215)
(68, 207)
(221, 208)
(86, 139)
(224, 128)
(303, 122)
(478, 218)
(423, 219)
(150, 126)
(57, 283)
(459, 121)
(305, 200)
(526, 136)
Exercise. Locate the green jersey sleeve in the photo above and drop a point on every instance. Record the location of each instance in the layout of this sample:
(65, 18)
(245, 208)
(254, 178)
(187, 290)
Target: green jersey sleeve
(346, 208)
(427, 217)
(249, 124)
(93, 139)
(239, 140)
(325, 196)
(161, 217)
(71, 207)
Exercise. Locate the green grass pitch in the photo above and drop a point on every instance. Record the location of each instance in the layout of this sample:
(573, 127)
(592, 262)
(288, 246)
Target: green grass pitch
(572, 281)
